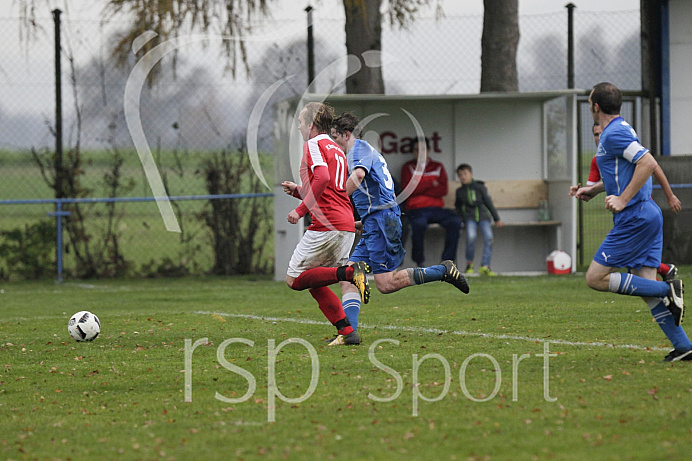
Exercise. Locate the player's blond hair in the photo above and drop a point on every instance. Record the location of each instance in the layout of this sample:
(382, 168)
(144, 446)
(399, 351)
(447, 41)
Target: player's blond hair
(319, 114)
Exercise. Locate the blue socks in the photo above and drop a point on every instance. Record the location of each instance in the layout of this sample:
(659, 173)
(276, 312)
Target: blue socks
(628, 284)
(419, 275)
(664, 318)
(351, 303)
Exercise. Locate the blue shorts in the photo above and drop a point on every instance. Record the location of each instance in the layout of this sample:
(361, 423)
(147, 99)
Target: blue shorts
(380, 245)
(636, 239)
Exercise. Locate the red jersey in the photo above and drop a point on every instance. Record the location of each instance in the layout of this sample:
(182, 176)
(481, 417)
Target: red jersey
(426, 193)
(594, 173)
(332, 210)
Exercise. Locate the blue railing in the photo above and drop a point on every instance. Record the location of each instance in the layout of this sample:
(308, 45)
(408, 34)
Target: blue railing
(59, 213)
(674, 186)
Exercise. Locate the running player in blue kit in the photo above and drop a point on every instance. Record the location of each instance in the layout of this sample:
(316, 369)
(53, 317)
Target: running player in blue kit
(636, 240)
(372, 189)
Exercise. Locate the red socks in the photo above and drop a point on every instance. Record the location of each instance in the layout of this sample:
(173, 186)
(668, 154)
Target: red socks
(316, 280)
(663, 269)
(322, 276)
(330, 305)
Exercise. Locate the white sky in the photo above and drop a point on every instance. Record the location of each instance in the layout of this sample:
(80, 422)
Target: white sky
(31, 71)
(287, 9)
(282, 11)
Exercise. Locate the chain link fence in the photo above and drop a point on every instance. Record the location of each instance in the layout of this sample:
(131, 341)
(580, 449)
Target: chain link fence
(196, 114)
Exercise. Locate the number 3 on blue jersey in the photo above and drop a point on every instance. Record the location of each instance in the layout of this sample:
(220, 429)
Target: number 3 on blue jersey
(389, 182)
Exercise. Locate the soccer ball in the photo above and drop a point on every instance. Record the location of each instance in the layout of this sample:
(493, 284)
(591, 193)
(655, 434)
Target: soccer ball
(84, 326)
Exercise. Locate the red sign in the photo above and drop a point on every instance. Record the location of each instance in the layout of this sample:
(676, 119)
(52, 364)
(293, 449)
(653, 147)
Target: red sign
(390, 143)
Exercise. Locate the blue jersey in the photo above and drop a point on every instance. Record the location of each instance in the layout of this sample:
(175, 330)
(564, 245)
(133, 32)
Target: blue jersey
(618, 152)
(376, 192)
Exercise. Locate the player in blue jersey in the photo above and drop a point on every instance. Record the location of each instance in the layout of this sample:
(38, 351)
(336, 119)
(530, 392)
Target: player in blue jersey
(636, 240)
(371, 187)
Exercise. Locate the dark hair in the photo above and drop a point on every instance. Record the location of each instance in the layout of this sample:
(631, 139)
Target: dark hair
(608, 98)
(464, 166)
(320, 115)
(346, 122)
(417, 140)
(595, 124)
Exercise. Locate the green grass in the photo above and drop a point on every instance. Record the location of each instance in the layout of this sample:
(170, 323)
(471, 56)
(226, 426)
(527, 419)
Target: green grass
(140, 229)
(123, 396)
(140, 225)
(597, 223)
(20, 177)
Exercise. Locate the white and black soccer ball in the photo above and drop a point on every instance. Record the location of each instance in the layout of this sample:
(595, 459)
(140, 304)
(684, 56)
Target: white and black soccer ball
(84, 326)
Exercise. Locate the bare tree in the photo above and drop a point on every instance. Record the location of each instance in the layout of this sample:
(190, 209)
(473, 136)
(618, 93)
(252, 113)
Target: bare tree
(499, 45)
(233, 19)
(364, 34)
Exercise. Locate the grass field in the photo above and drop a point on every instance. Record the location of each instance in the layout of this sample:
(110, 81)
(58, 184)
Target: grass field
(536, 368)
(139, 225)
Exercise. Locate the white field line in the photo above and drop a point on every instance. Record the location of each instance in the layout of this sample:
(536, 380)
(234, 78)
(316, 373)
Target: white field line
(437, 331)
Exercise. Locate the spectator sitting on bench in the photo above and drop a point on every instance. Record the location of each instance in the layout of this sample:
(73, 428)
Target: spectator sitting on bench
(425, 204)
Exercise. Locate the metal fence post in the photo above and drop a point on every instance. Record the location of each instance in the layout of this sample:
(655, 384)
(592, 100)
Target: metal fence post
(59, 193)
(311, 51)
(59, 213)
(570, 44)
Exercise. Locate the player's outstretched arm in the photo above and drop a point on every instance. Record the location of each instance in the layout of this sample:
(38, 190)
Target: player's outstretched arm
(318, 183)
(586, 193)
(573, 190)
(291, 188)
(673, 202)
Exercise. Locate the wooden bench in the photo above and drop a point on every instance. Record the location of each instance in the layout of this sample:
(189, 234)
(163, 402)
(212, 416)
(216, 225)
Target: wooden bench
(523, 243)
(511, 195)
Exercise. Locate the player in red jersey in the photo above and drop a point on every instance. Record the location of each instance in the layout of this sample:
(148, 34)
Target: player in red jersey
(320, 257)
(667, 272)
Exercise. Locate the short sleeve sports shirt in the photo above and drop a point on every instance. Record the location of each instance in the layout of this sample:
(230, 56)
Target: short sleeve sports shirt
(618, 152)
(376, 192)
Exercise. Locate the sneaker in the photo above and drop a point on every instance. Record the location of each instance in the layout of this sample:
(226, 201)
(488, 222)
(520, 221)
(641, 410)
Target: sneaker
(453, 276)
(360, 280)
(329, 340)
(677, 355)
(351, 339)
(469, 268)
(485, 270)
(674, 301)
(671, 274)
